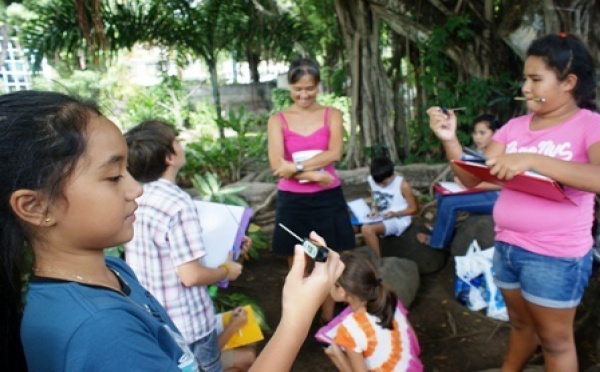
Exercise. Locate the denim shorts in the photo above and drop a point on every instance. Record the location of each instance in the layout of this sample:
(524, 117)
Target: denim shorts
(207, 353)
(556, 282)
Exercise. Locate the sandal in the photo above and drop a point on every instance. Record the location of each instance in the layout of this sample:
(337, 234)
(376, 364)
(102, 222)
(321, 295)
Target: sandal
(424, 238)
(429, 227)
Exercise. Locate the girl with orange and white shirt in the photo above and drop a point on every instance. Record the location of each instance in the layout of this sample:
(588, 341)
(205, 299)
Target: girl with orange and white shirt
(376, 336)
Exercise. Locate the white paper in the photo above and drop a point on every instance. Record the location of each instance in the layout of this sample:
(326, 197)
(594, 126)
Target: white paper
(452, 186)
(300, 156)
(220, 224)
(361, 210)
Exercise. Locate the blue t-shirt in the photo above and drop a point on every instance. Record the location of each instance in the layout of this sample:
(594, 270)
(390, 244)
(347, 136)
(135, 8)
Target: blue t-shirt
(69, 326)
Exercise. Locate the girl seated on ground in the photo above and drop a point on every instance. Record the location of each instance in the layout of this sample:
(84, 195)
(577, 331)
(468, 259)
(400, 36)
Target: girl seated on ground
(480, 202)
(376, 336)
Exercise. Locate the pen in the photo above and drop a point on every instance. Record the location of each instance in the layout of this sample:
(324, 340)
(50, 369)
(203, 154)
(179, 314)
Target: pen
(445, 110)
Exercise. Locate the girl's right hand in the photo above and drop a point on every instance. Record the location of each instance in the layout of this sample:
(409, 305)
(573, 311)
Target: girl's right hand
(239, 318)
(312, 289)
(373, 214)
(442, 125)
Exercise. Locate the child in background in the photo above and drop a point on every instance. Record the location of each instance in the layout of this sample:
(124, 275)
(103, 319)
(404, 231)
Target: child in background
(393, 199)
(481, 202)
(65, 195)
(167, 250)
(377, 335)
(543, 260)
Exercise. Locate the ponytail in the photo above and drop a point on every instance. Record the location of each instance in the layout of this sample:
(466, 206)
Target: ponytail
(11, 283)
(383, 306)
(360, 279)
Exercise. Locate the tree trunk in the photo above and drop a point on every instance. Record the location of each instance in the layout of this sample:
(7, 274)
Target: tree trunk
(371, 99)
(253, 61)
(401, 128)
(212, 69)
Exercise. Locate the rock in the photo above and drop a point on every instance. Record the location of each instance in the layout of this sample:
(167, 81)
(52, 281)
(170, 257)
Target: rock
(254, 192)
(400, 274)
(475, 227)
(403, 276)
(428, 260)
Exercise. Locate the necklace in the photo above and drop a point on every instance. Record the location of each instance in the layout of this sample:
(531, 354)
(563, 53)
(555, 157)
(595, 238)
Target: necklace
(79, 278)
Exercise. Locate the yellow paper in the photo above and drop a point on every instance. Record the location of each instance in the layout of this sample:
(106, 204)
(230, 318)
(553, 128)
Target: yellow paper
(248, 334)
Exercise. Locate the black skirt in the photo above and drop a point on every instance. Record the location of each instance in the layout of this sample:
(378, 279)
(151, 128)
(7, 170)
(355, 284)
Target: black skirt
(324, 212)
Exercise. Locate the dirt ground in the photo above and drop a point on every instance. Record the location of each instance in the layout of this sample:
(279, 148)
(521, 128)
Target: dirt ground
(452, 338)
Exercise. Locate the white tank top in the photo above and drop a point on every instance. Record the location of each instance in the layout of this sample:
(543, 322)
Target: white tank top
(389, 198)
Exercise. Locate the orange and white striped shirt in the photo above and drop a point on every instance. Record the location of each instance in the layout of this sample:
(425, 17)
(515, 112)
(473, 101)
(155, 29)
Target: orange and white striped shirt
(384, 350)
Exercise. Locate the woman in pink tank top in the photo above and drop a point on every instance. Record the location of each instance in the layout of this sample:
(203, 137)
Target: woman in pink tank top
(305, 141)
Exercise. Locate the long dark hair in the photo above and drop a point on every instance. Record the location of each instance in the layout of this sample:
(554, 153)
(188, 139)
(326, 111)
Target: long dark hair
(360, 279)
(303, 67)
(42, 136)
(492, 122)
(566, 54)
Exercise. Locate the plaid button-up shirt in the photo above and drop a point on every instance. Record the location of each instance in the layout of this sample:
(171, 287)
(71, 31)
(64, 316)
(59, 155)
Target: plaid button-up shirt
(167, 234)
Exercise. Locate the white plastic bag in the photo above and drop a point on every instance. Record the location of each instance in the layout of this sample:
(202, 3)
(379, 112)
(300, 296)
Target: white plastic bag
(469, 286)
(475, 285)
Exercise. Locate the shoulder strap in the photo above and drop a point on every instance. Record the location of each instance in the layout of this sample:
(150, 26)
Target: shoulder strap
(326, 117)
(283, 121)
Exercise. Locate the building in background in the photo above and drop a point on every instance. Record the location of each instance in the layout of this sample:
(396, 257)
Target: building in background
(14, 68)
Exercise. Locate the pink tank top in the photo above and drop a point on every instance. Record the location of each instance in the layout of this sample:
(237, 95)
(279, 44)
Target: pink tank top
(294, 142)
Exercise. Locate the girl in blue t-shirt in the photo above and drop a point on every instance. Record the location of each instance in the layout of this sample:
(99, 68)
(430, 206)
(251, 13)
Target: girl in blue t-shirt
(66, 194)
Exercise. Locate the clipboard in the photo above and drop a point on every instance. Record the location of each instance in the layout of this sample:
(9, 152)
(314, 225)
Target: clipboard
(528, 182)
(248, 334)
(328, 332)
(223, 230)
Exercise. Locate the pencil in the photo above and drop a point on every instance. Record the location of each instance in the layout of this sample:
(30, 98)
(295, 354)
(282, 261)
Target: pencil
(535, 99)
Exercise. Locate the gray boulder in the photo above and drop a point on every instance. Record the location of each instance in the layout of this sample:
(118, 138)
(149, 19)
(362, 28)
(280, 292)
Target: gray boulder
(428, 260)
(474, 227)
(400, 274)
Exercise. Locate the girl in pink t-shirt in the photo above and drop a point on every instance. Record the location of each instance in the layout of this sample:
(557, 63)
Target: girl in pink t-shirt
(542, 260)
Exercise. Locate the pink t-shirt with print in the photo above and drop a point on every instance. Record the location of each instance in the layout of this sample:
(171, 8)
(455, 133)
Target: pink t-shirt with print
(558, 229)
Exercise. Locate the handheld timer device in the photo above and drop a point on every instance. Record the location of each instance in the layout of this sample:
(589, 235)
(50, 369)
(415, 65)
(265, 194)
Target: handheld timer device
(312, 249)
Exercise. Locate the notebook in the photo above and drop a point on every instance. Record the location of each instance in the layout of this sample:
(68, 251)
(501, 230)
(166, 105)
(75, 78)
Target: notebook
(248, 334)
(360, 209)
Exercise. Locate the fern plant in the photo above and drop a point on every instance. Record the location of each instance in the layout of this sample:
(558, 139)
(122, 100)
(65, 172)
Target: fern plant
(209, 189)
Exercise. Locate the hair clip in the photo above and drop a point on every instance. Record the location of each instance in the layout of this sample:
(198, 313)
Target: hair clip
(378, 282)
(562, 35)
